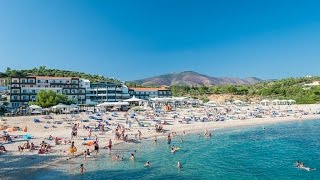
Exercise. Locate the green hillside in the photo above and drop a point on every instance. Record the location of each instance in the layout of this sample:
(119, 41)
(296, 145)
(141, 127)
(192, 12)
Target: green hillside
(290, 88)
(43, 71)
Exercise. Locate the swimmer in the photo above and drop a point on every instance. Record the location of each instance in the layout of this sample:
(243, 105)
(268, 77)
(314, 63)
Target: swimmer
(179, 165)
(132, 157)
(147, 164)
(301, 165)
(181, 140)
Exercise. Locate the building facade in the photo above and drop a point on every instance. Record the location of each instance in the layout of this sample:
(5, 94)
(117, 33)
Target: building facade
(3, 81)
(25, 89)
(106, 92)
(147, 93)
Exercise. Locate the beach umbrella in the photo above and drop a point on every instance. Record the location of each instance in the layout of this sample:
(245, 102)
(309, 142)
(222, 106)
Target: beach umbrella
(35, 107)
(134, 99)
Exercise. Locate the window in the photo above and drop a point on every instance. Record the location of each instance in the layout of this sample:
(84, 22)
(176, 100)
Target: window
(23, 80)
(58, 91)
(60, 81)
(46, 81)
(33, 91)
(39, 81)
(31, 85)
(15, 81)
(53, 86)
(39, 86)
(31, 81)
(46, 86)
(24, 91)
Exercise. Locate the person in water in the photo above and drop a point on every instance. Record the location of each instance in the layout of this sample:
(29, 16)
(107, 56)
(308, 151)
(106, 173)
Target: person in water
(82, 169)
(302, 166)
(147, 164)
(132, 157)
(169, 139)
(173, 150)
(179, 165)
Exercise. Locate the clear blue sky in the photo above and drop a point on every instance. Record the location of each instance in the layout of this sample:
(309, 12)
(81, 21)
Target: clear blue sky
(133, 39)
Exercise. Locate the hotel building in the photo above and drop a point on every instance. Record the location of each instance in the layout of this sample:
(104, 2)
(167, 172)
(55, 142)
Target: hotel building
(106, 92)
(25, 89)
(147, 93)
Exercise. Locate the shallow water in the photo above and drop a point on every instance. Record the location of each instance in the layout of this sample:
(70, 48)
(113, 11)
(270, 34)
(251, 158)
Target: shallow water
(246, 153)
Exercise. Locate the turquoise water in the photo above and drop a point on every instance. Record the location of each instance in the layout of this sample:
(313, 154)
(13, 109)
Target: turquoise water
(246, 153)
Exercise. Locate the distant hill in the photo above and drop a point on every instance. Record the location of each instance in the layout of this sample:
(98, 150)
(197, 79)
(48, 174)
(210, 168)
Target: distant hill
(191, 78)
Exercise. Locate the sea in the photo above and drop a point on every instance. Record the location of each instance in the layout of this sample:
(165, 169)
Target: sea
(260, 152)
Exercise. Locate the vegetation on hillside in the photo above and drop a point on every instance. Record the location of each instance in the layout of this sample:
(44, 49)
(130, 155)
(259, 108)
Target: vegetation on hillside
(291, 88)
(43, 71)
(50, 98)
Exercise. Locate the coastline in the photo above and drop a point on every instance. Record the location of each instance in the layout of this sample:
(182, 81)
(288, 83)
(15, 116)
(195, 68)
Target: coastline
(148, 134)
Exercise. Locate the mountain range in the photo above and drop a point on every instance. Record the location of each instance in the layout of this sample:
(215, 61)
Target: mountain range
(192, 78)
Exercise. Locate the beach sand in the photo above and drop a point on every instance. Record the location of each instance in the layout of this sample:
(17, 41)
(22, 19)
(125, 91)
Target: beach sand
(14, 161)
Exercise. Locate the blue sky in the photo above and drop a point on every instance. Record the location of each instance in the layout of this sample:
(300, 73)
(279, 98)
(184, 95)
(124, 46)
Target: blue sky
(130, 39)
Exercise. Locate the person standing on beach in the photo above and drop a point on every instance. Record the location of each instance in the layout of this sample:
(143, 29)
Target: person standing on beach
(110, 145)
(90, 133)
(85, 155)
(139, 134)
(96, 147)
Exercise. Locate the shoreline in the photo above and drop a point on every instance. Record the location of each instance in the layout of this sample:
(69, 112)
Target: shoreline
(193, 131)
(147, 134)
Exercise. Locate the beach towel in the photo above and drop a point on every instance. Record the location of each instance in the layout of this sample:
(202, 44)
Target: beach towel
(27, 137)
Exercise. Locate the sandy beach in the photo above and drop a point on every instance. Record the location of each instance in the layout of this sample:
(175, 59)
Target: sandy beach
(14, 161)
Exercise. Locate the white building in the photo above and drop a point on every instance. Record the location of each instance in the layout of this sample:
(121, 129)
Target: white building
(25, 89)
(148, 93)
(106, 92)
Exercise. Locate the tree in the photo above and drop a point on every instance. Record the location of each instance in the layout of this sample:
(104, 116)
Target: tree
(50, 98)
